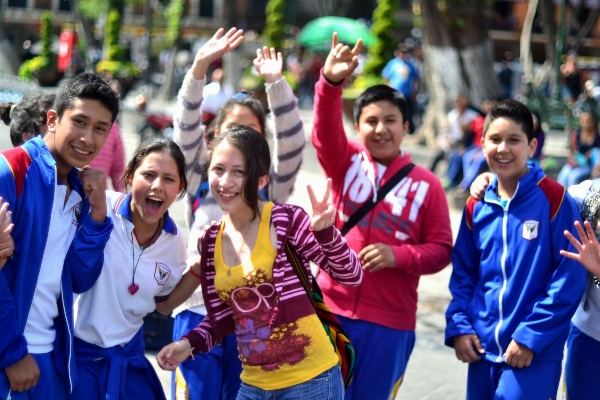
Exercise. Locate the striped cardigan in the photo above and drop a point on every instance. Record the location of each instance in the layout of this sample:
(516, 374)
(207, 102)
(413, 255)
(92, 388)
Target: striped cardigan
(326, 248)
(288, 146)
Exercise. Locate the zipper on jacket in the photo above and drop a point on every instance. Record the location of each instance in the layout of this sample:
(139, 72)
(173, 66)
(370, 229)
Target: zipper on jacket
(504, 278)
(62, 300)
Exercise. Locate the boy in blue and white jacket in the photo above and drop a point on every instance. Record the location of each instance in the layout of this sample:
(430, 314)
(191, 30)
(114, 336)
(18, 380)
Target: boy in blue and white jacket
(513, 294)
(59, 216)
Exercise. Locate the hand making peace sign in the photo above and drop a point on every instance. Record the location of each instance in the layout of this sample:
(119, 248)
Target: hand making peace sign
(323, 212)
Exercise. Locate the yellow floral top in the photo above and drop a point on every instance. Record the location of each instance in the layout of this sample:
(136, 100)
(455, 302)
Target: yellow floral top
(272, 357)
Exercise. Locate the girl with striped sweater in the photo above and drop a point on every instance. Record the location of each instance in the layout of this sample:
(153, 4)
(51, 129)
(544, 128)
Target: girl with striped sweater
(193, 378)
(250, 287)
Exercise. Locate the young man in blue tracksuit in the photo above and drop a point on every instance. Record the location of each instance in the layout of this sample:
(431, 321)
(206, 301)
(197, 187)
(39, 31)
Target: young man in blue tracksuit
(513, 294)
(60, 221)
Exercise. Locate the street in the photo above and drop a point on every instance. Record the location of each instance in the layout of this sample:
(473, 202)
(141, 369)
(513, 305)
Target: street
(433, 371)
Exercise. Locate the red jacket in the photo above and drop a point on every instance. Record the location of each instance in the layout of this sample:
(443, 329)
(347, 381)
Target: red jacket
(413, 220)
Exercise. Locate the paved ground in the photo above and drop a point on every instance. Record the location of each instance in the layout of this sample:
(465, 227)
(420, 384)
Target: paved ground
(433, 371)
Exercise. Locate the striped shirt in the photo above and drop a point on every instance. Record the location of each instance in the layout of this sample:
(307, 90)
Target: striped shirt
(326, 248)
(288, 147)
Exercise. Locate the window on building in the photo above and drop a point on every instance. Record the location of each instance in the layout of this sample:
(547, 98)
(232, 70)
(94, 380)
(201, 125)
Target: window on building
(43, 4)
(17, 3)
(206, 8)
(65, 5)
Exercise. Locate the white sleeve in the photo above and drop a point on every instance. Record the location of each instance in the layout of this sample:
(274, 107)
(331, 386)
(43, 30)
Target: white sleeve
(579, 191)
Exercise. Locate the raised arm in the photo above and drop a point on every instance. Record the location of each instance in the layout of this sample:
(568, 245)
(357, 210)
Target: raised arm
(187, 119)
(288, 139)
(328, 134)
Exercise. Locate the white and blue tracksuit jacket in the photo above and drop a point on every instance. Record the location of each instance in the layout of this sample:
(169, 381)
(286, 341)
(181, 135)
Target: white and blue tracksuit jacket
(31, 210)
(509, 280)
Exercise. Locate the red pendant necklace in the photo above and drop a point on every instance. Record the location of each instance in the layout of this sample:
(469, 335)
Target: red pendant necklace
(134, 287)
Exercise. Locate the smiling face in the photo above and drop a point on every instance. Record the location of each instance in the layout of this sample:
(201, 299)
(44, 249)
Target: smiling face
(227, 176)
(381, 129)
(240, 115)
(76, 139)
(155, 185)
(506, 150)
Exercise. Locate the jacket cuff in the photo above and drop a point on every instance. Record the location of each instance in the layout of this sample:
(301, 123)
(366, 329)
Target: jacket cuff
(326, 236)
(98, 227)
(329, 87)
(14, 353)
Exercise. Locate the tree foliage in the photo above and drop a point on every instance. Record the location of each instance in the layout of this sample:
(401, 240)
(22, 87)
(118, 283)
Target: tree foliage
(47, 59)
(174, 14)
(383, 28)
(274, 32)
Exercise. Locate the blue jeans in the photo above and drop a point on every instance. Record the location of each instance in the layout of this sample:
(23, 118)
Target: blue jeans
(326, 386)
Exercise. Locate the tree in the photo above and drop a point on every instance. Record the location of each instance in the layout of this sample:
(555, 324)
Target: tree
(174, 14)
(383, 28)
(458, 57)
(274, 32)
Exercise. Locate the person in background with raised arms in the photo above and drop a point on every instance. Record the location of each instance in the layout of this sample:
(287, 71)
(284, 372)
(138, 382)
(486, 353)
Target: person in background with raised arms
(61, 224)
(216, 374)
(250, 286)
(407, 234)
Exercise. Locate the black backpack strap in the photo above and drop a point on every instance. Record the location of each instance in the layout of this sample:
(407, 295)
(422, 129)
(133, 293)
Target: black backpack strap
(381, 193)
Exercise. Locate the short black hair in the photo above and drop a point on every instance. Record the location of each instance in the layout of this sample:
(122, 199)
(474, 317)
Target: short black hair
(515, 111)
(378, 93)
(257, 159)
(86, 86)
(156, 145)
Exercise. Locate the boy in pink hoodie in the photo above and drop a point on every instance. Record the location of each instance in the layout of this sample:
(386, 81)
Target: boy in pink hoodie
(405, 236)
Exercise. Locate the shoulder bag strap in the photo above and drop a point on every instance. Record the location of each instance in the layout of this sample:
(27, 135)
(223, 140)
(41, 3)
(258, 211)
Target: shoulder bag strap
(298, 268)
(381, 193)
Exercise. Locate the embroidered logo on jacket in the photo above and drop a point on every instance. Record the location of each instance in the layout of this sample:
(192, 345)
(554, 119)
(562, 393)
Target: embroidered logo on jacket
(162, 273)
(530, 229)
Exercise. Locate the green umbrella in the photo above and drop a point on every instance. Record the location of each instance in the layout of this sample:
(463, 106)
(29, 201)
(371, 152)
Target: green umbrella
(317, 33)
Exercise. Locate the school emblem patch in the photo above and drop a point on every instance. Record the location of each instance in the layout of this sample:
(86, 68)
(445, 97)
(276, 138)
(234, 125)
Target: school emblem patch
(162, 273)
(530, 229)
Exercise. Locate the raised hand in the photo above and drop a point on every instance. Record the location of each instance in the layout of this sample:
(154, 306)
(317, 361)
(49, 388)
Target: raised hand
(268, 64)
(588, 248)
(341, 61)
(94, 187)
(323, 212)
(214, 49)
(173, 354)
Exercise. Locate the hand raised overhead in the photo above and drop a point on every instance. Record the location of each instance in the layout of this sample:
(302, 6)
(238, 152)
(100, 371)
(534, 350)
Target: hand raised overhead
(214, 49)
(323, 212)
(341, 61)
(269, 64)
